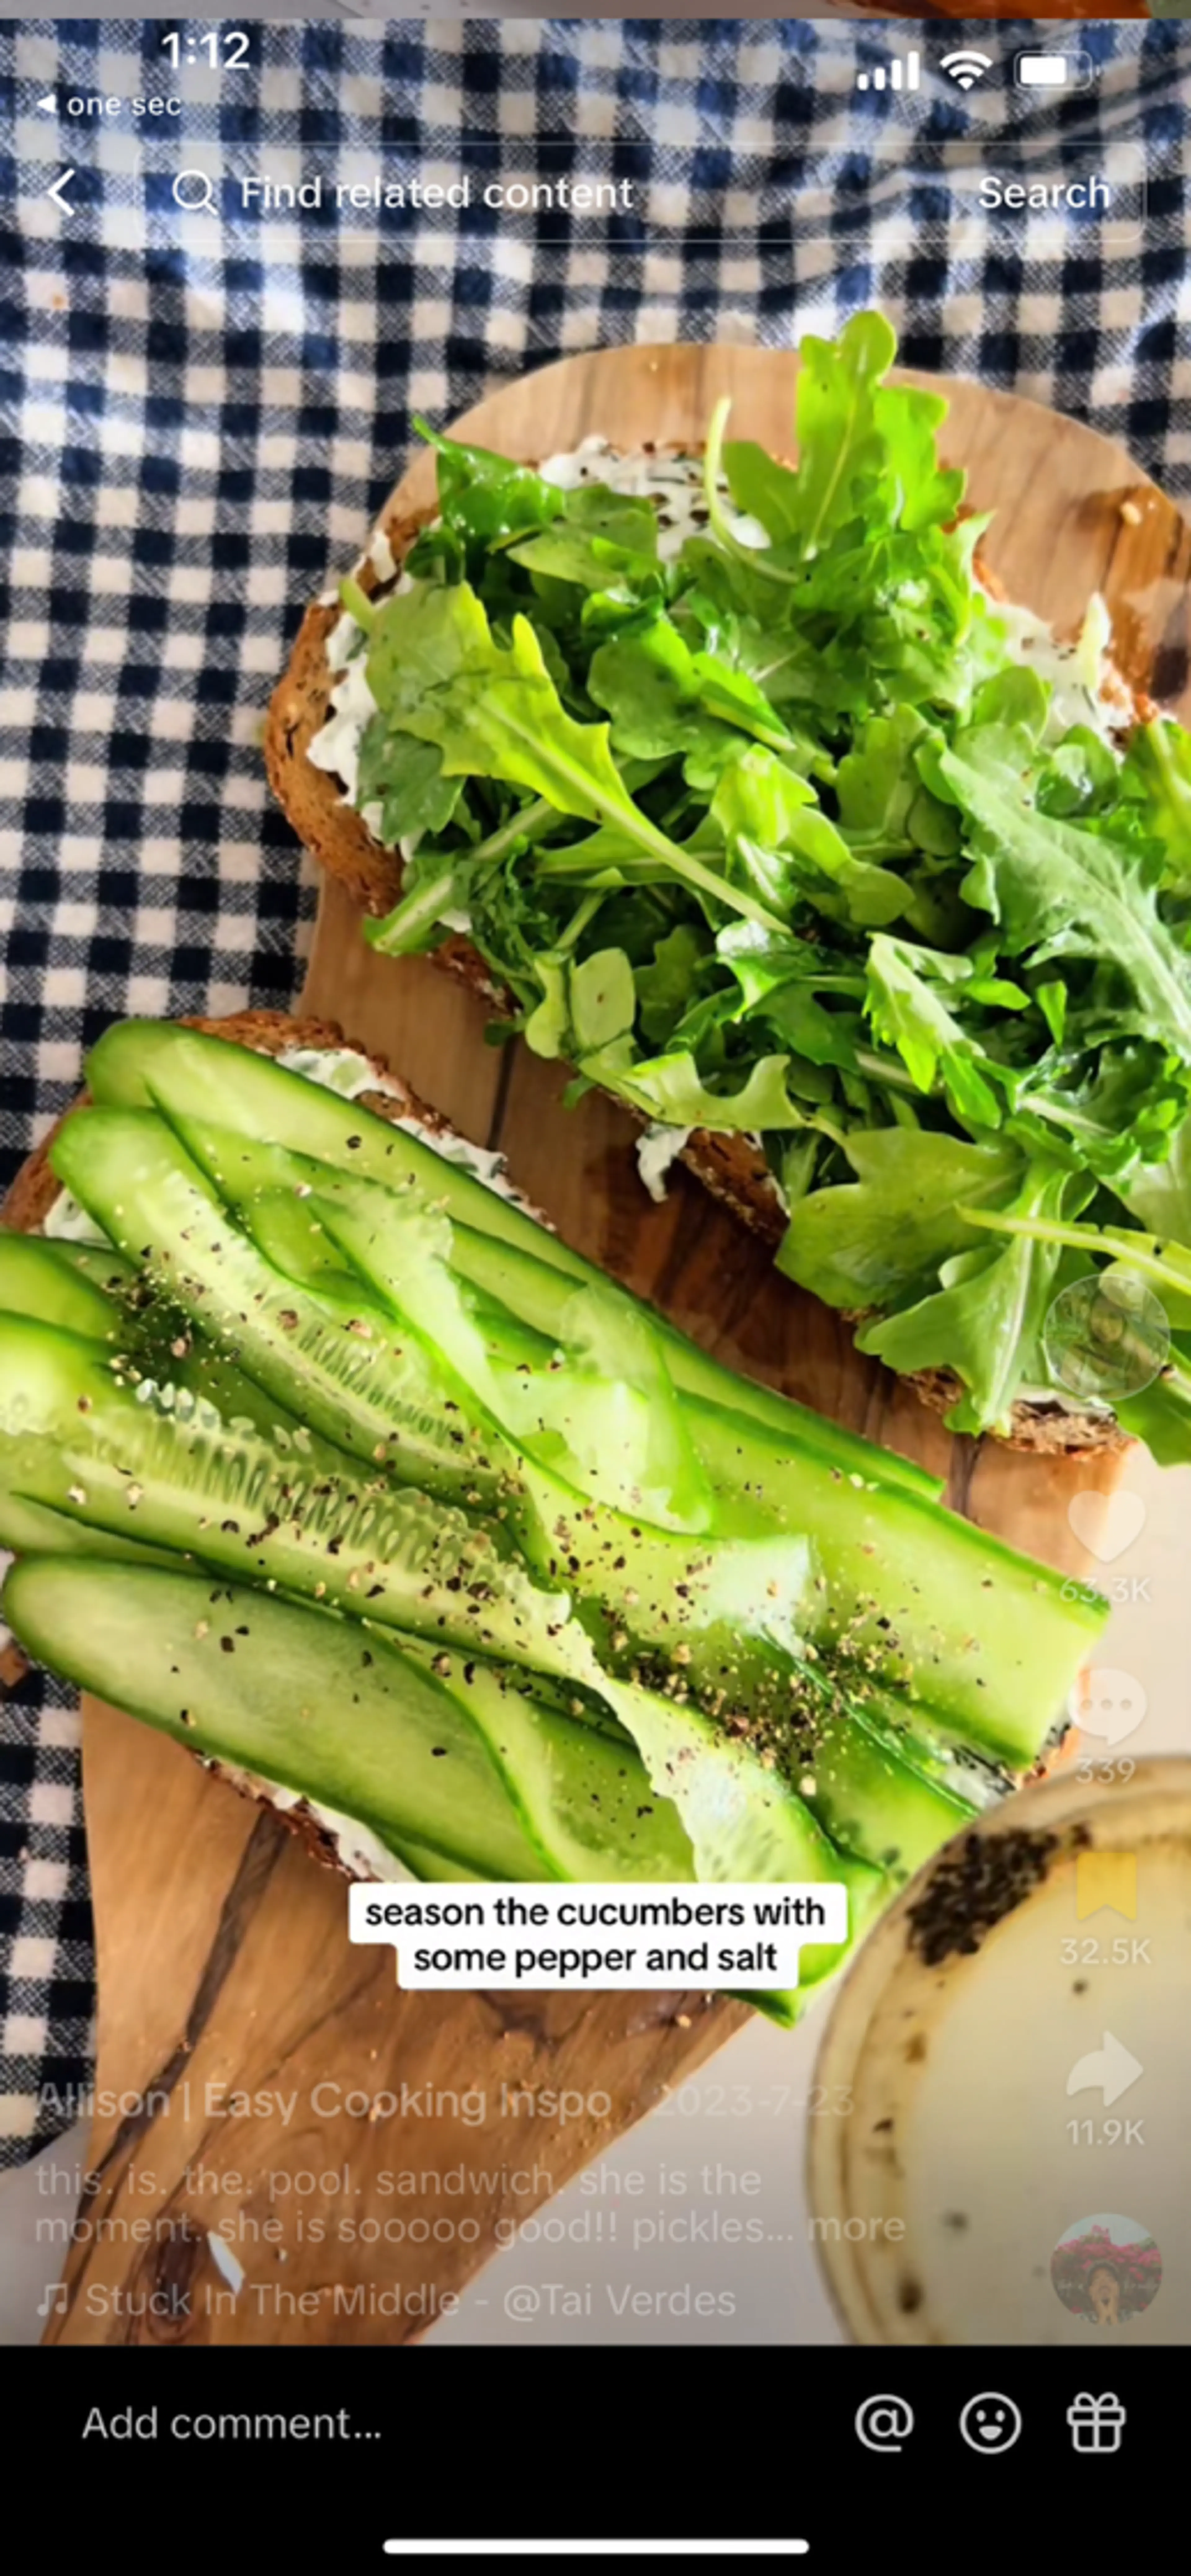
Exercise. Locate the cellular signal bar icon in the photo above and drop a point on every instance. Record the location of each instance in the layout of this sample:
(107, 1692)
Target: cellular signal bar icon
(907, 75)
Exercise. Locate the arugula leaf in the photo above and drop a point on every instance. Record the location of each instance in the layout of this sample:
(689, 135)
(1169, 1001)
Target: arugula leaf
(867, 895)
(494, 712)
(405, 777)
(666, 987)
(1058, 892)
(985, 1320)
(1165, 1267)
(883, 1237)
(1161, 1414)
(908, 1012)
(669, 1088)
(835, 419)
(764, 490)
(430, 891)
(589, 558)
(763, 964)
(1118, 1105)
(645, 679)
(483, 497)
(548, 1027)
(759, 799)
(1082, 779)
(666, 701)
(624, 518)
(864, 448)
(906, 419)
(798, 1019)
(1158, 768)
(884, 809)
(603, 999)
(1160, 1194)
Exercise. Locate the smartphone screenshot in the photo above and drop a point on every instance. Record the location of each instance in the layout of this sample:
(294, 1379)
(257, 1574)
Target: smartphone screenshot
(595, 1273)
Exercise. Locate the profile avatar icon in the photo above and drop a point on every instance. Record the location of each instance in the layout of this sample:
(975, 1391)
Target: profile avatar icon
(1106, 2269)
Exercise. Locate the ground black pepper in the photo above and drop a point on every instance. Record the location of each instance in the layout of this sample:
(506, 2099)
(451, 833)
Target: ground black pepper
(979, 1882)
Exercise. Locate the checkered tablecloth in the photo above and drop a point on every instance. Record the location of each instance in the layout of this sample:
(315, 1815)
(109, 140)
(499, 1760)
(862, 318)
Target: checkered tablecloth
(198, 416)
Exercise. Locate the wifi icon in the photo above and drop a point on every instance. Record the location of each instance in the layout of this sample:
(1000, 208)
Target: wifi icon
(966, 68)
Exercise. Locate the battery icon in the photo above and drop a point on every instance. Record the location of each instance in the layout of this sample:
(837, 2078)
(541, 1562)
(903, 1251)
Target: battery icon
(1053, 71)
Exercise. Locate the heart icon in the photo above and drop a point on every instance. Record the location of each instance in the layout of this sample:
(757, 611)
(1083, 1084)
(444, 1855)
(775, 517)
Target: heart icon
(1106, 1524)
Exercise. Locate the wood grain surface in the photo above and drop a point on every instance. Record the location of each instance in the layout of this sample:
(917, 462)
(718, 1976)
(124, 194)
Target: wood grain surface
(224, 1967)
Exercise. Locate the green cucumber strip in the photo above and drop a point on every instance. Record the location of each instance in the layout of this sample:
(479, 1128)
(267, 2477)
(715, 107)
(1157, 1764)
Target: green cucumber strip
(28, 1529)
(521, 1279)
(985, 1637)
(917, 1602)
(600, 1409)
(660, 1592)
(76, 1442)
(276, 1511)
(36, 1279)
(99, 1262)
(744, 1823)
(100, 1295)
(601, 1413)
(928, 1652)
(966, 1637)
(158, 1063)
(583, 1797)
(401, 1737)
(322, 1709)
(285, 1230)
(873, 1800)
(320, 1357)
(423, 1863)
(364, 1728)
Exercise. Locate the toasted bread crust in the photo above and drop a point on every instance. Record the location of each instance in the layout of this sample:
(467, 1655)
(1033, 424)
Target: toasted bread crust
(33, 1192)
(728, 1165)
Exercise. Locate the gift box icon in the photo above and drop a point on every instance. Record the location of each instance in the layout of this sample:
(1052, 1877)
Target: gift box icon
(1096, 2422)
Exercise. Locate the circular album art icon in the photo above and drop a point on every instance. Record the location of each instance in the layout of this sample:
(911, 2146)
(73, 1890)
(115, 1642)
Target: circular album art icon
(1106, 1336)
(1106, 2269)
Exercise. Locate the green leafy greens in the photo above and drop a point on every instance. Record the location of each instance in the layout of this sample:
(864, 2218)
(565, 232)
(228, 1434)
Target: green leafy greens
(771, 821)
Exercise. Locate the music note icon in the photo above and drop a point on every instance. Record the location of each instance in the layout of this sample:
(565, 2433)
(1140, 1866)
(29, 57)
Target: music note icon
(54, 2301)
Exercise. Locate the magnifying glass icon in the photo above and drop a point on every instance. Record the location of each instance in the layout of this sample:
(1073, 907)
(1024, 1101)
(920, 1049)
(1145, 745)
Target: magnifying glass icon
(192, 191)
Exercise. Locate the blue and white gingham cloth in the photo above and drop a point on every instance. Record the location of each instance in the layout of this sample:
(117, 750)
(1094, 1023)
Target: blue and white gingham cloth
(199, 416)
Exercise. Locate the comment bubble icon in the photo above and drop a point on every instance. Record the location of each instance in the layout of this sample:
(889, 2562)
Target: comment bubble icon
(1106, 1703)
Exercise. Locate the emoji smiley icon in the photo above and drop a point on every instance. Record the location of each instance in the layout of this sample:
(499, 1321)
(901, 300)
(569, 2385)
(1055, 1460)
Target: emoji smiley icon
(990, 2422)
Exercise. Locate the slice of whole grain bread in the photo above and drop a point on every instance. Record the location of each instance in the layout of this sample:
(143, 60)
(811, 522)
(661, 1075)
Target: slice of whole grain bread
(729, 1166)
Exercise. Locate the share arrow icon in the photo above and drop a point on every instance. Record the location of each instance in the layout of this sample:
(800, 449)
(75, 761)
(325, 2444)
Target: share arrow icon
(1109, 2070)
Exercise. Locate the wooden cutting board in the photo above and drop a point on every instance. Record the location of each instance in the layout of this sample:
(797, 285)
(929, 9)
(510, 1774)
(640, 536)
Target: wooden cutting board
(224, 1965)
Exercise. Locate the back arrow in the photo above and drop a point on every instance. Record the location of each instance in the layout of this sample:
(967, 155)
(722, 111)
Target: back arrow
(55, 191)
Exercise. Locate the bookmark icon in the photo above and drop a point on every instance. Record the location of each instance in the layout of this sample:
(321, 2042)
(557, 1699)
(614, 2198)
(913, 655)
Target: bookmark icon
(1106, 1878)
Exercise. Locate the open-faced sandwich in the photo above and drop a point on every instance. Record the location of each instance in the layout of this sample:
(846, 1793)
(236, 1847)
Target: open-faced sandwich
(732, 784)
(319, 1451)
